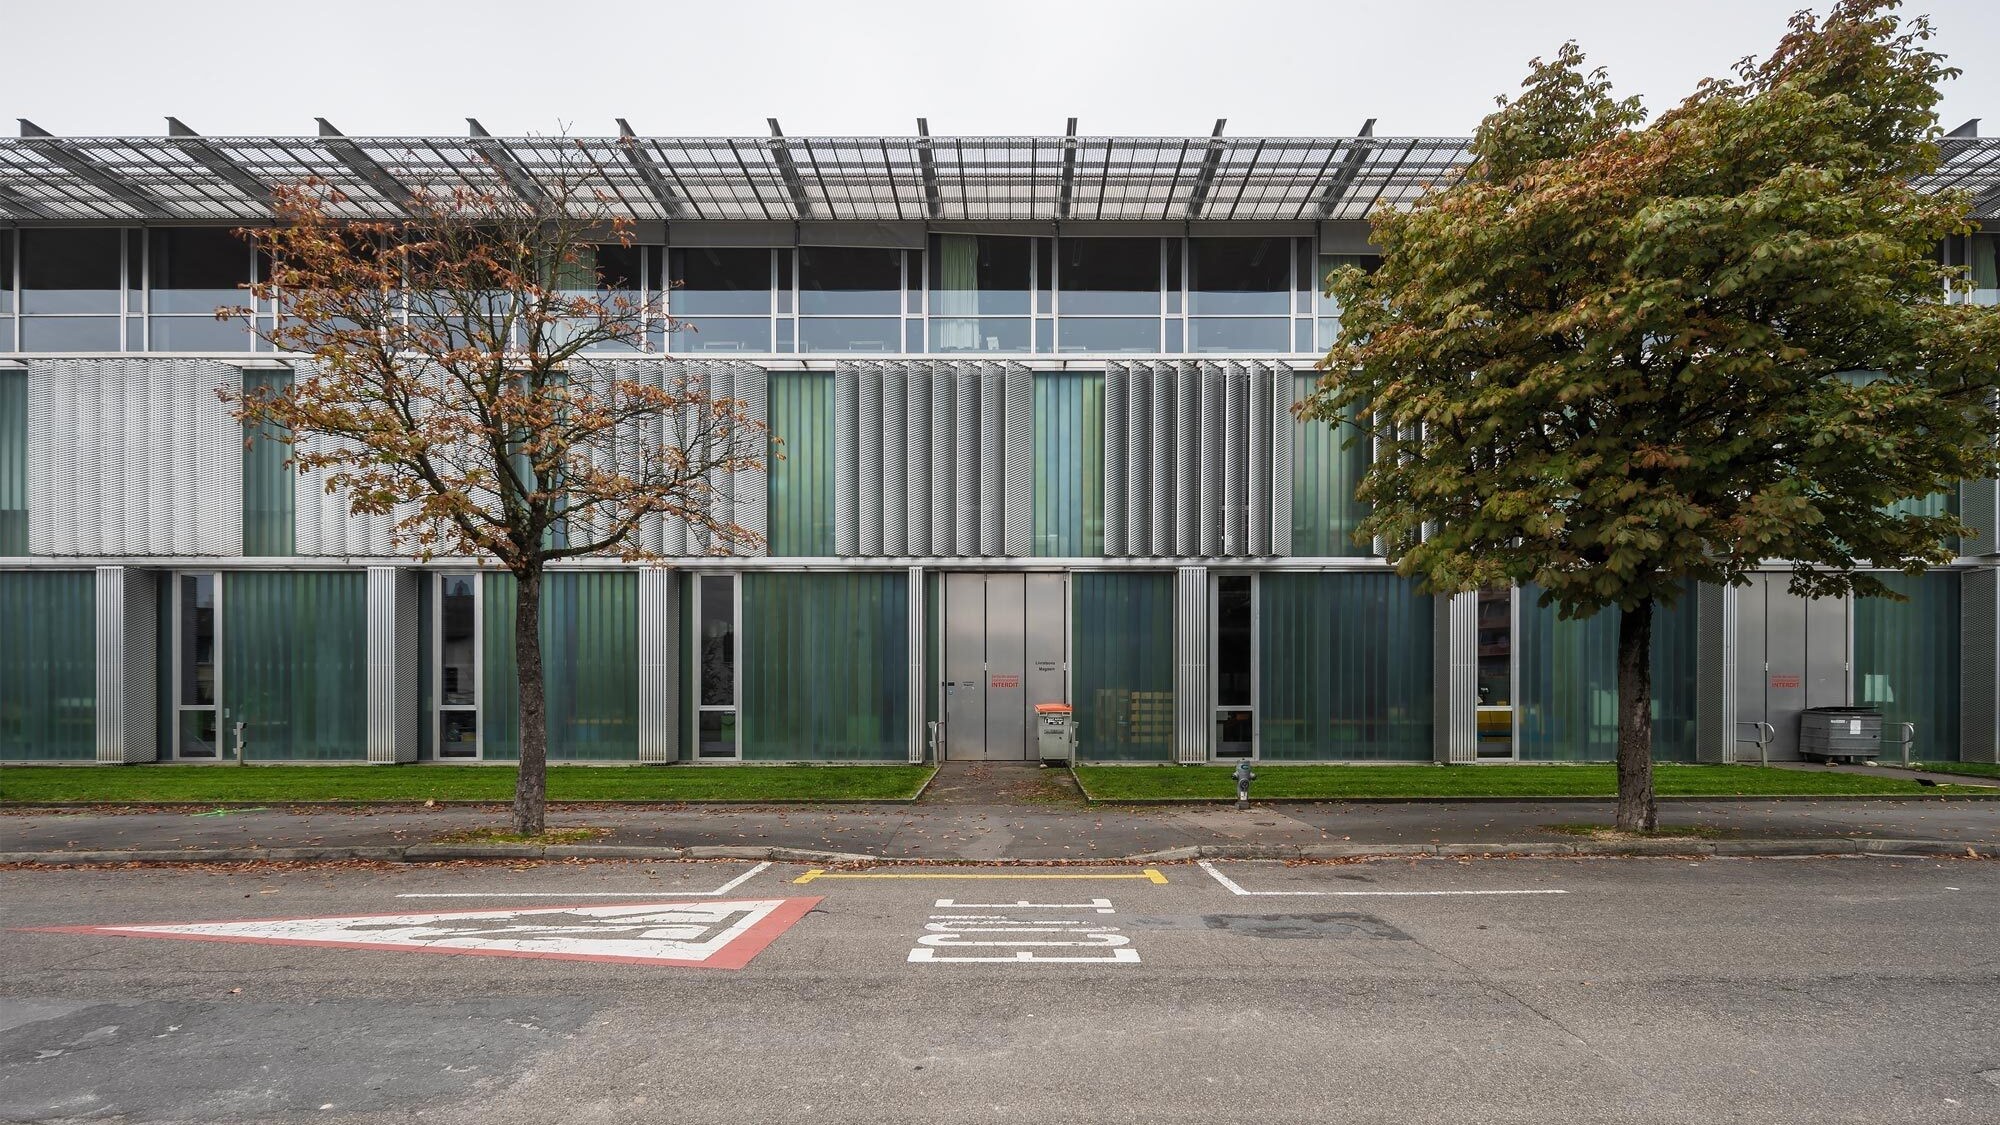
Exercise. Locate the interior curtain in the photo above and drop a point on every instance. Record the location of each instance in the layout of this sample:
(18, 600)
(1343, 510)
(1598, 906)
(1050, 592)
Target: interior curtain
(955, 317)
(1986, 261)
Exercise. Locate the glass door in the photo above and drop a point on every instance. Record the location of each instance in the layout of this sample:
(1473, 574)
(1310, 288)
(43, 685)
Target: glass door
(1233, 665)
(1496, 674)
(458, 668)
(197, 683)
(716, 609)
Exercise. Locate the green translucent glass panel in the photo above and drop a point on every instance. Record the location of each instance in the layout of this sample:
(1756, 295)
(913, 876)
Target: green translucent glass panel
(1344, 668)
(48, 665)
(801, 484)
(1325, 471)
(1936, 504)
(1906, 661)
(295, 663)
(13, 461)
(1568, 682)
(590, 666)
(1069, 464)
(268, 526)
(825, 666)
(1122, 670)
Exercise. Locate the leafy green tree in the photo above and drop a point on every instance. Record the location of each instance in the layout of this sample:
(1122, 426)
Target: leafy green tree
(1616, 357)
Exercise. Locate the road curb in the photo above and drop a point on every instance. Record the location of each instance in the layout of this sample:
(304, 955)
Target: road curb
(1552, 799)
(438, 853)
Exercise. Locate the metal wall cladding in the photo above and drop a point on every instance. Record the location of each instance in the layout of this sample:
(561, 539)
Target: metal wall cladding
(127, 653)
(739, 499)
(1191, 450)
(133, 457)
(394, 668)
(933, 459)
(1455, 702)
(1715, 674)
(659, 665)
(1979, 507)
(1192, 722)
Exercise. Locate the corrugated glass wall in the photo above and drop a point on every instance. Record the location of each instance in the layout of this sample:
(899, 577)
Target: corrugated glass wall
(1344, 668)
(48, 665)
(1069, 464)
(1568, 689)
(825, 666)
(268, 524)
(1122, 675)
(590, 666)
(13, 462)
(295, 663)
(802, 484)
(1325, 471)
(1906, 661)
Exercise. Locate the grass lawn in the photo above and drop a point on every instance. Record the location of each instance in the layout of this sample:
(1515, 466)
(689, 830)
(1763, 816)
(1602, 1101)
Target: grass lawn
(278, 784)
(1332, 783)
(1974, 769)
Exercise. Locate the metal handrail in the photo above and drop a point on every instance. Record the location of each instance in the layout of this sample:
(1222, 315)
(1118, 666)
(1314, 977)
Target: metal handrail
(1909, 739)
(1766, 734)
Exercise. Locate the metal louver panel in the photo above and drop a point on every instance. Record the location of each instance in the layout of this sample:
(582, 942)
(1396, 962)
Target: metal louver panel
(1018, 500)
(1191, 614)
(133, 457)
(868, 459)
(1979, 666)
(992, 458)
(895, 436)
(1257, 463)
(1188, 461)
(1979, 503)
(1284, 392)
(1456, 733)
(127, 655)
(659, 732)
(917, 458)
(1214, 469)
(965, 454)
(392, 659)
(846, 466)
(1140, 451)
(750, 490)
(1115, 443)
(944, 462)
(676, 431)
(1235, 454)
(1715, 674)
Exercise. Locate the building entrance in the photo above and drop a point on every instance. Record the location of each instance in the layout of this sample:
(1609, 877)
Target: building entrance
(1791, 654)
(1005, 650)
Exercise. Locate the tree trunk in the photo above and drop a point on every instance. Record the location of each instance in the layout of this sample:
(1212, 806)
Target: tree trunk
(531, 790)
(1637, 811)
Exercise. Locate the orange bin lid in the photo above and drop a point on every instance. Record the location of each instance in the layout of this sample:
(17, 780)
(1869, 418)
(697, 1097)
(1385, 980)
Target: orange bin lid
(1051, 708)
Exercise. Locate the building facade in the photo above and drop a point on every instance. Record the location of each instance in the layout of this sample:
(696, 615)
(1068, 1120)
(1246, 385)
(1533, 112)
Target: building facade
(1034, 397)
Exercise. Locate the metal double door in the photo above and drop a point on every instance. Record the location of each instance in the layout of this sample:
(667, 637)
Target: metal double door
(1005, 642)
(1791, 654)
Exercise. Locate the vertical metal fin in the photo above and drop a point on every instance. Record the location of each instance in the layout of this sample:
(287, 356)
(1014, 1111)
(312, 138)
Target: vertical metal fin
(1284, 428)
(751, 489)
(894, 463)
(966, 457)
(1456, 651)
(992, 457)
(1139, 446)
(944, 462)
(659, 664)
(1188, 455)
(1115, 441)
(1018, 515)
(1160, 461)
(1191, 695)
(1214, 473)
(1715, 674)
(917, 454)
(392, 656)
(127, 655)
(1257, 464)
(1235, 458)
(846, 468)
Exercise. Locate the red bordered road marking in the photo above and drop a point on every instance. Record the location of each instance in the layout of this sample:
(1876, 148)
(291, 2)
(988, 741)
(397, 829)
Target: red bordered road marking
(705, 934)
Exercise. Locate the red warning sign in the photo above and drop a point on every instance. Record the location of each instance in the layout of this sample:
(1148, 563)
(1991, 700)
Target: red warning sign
(1006, 680)
(1784, 681)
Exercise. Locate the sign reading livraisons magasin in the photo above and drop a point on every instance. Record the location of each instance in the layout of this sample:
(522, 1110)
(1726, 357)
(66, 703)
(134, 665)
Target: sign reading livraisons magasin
(708, 935)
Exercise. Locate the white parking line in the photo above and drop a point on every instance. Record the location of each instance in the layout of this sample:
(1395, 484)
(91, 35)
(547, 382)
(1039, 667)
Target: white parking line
(1236, 888)
(721, 890)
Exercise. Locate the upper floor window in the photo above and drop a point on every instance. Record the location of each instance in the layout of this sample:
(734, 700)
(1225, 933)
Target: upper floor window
(71, 283)
(980, 293)
(1240, 294)
(191, 272)
(719, 281)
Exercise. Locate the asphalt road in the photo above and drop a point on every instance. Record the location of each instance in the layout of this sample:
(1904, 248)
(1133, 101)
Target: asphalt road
(1647, 990)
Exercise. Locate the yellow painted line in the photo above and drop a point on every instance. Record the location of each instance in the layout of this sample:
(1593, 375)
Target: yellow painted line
(1151, 875)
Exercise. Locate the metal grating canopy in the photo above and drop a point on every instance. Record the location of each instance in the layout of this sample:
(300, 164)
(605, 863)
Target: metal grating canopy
(51, 180)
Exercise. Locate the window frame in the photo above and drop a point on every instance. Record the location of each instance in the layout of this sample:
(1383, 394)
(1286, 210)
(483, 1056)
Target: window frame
(436, 671)
(1216, 708)
(216, 706)
(734, 707)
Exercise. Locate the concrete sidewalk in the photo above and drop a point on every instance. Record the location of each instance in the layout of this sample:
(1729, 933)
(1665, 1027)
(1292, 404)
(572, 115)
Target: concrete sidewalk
(987, 831)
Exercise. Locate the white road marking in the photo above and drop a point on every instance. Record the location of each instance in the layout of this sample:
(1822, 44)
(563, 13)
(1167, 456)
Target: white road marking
(1236, 888)
(721, 890)
(946, 933)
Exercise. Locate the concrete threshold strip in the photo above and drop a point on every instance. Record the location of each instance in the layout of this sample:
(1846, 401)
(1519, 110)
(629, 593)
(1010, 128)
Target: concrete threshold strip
(435, 853)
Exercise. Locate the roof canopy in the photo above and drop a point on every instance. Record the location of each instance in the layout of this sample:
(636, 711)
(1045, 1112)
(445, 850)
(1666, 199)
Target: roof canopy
(46, 180)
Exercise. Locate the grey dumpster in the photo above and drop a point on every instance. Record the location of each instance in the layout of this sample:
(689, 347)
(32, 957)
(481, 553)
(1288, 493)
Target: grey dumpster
(1053, 732)
(1840, 732)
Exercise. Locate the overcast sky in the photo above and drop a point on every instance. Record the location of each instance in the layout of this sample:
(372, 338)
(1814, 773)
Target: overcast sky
(846, 67)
